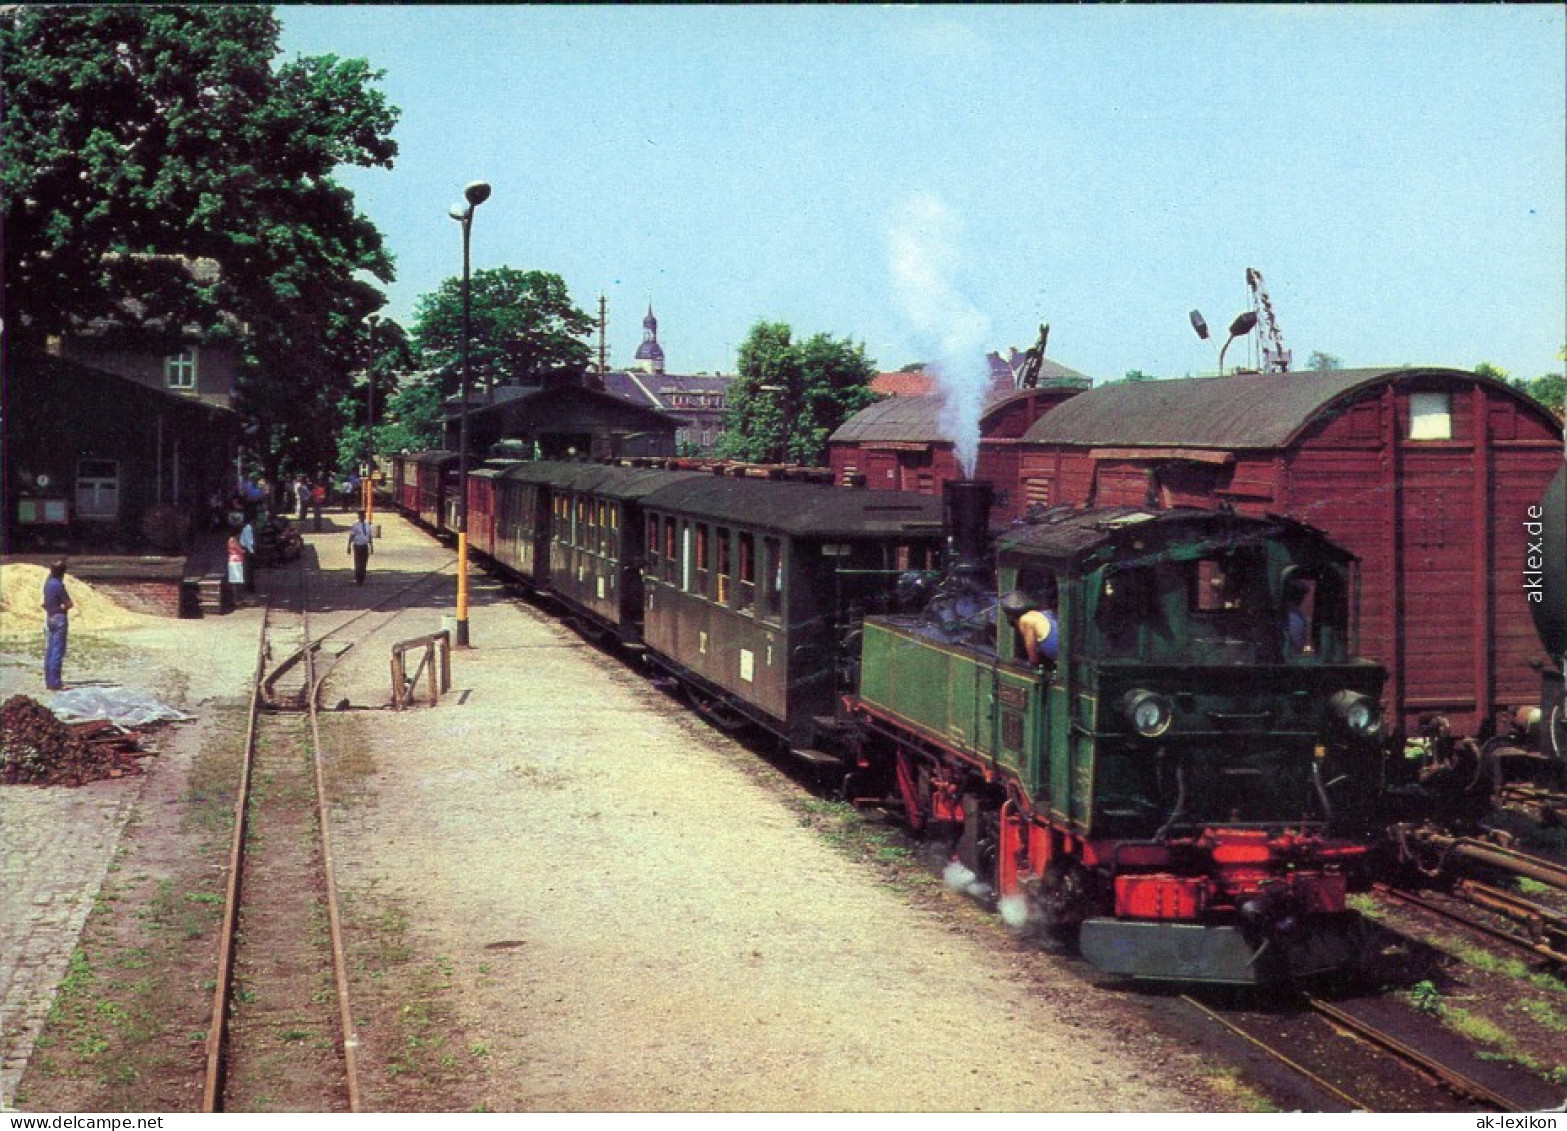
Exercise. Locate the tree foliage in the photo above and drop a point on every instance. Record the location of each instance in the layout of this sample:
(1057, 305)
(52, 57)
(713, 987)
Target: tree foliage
(524, 330)
(139, 139)
(1320, 362)
(789, 397)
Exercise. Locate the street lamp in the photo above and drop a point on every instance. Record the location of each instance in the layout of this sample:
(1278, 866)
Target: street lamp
(1244, 323)
(473, 196)
(369, 469)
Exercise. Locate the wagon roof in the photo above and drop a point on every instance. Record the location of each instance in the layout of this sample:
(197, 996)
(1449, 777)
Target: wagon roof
(1250, 410)
(435, 455)
(917, 419)
(603, 479)
(801, 509)
(1072, 535)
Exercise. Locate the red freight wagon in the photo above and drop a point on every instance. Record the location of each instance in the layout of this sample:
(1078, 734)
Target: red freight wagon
(904, 444)
(1425, 474)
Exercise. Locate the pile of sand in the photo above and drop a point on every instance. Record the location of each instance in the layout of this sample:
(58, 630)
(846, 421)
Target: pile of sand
(21, 603)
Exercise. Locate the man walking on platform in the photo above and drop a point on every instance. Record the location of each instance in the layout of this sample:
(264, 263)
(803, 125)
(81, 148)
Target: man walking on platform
(361, 544)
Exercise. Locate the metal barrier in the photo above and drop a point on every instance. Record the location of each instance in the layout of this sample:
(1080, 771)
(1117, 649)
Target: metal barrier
(438, 674)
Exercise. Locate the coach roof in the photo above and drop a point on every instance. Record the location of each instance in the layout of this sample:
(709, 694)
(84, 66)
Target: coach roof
(800, 509)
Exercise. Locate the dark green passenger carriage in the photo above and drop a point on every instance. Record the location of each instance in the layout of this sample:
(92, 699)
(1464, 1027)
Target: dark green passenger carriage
(1184, 789)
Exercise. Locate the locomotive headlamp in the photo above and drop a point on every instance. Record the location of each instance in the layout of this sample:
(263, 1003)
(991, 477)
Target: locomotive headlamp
(1359, 713)
(1149, 712)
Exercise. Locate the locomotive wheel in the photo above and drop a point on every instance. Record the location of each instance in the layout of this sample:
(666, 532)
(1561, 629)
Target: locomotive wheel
(1065, 898)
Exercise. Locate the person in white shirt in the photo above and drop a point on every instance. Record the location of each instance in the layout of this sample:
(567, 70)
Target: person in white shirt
(361, 544)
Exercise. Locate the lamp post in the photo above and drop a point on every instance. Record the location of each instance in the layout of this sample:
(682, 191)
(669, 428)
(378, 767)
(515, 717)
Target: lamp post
(1245, 322)
(473, 196)
(369, 475)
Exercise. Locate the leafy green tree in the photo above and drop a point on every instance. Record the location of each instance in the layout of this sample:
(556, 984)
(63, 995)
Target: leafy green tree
(1320, 362)
(789, 397)
(524, 330)
(139, 139)
(1549, 389)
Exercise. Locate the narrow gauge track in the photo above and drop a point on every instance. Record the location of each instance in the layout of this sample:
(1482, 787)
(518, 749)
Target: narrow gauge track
(281, 965)
(1327, 1048)
(1540, 930)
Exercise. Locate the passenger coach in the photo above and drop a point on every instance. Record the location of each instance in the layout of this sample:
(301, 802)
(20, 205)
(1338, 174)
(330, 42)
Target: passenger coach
(755, 590)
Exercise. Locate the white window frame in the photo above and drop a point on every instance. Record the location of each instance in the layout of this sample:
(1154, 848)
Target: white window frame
(180, 369)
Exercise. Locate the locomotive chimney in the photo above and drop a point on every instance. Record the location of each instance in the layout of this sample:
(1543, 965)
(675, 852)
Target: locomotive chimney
(967, 504)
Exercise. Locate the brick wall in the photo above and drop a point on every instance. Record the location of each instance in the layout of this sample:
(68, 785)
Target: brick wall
(158, 597)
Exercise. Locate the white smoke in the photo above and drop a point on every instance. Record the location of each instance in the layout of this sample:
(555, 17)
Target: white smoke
(959, 878)
(925, 249)
(1014, 911)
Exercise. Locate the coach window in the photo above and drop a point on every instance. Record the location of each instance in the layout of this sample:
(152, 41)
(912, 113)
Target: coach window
(701, 559)
(671, 554)
(652, 545)
(772, 578)
(747, 570)
(722, 537)
(686, 564)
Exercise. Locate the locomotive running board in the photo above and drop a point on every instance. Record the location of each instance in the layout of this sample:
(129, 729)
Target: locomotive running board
(815, 757)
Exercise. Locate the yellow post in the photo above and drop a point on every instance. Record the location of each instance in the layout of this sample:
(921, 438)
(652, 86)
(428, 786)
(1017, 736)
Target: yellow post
(462, 588)
(370, 499)
(369, 493)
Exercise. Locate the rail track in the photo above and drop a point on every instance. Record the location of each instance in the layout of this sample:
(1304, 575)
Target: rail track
(281, 1003)
(1537, 929)
(1326, 1046)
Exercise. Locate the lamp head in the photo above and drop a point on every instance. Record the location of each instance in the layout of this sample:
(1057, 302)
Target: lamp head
(1244, 323)
(460, 213)
(1199, 324)
(477, 193)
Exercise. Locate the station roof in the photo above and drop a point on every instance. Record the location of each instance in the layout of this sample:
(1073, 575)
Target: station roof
(1248, 410)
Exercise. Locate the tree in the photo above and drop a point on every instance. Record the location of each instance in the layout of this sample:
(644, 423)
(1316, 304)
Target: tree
(1320, 362)
(1550, 389)
(525, 329)
(141, 139)
(789, 397)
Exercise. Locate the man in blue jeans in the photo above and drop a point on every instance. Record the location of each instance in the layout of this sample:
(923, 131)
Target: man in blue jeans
(57, 603)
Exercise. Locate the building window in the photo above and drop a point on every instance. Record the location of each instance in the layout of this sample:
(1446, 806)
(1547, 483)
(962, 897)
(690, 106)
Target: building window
(98, 490)
(179, 369)
(1430, 416)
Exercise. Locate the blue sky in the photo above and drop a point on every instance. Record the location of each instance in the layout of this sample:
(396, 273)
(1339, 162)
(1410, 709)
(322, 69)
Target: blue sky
(1395, 172)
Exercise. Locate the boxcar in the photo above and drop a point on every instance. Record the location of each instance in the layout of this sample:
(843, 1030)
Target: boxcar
(904, 443)
(754, 589)
(1425, 474)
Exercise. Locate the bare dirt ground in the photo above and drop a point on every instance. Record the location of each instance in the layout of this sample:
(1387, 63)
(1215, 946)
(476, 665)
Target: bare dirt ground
(564, 893)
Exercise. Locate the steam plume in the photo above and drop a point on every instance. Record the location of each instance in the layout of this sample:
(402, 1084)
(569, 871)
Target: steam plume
(924, 247)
